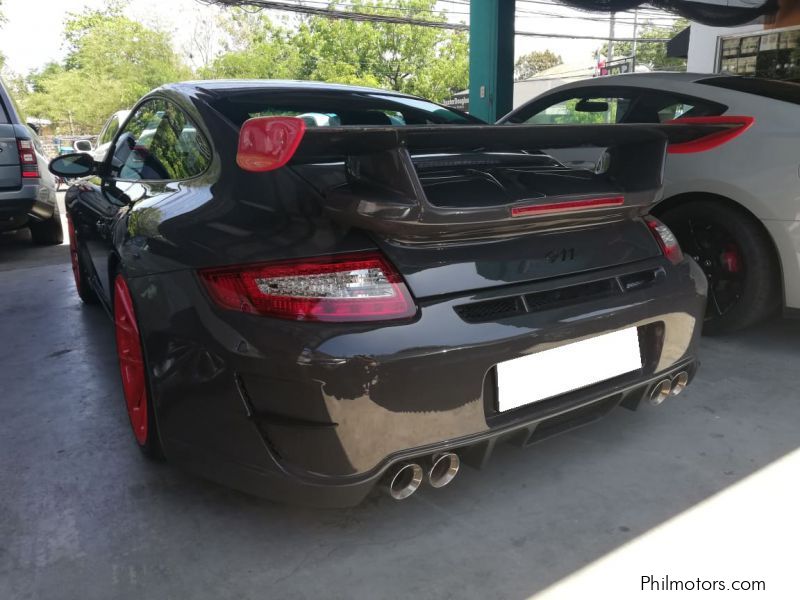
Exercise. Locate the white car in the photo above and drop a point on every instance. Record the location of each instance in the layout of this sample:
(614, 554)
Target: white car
(734, 207)
(106, 135)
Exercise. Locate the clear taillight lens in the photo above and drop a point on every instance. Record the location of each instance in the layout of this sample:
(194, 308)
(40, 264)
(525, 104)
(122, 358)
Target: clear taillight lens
(666, 239)
(353, 287)
(27, 159)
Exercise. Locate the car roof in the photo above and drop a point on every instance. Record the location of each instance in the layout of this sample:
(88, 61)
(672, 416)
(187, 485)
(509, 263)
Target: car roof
(242, 85)
(639, 78)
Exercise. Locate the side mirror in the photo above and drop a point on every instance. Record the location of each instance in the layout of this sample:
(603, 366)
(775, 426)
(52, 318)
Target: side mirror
(73, 165)
(83, 146)
(591, 106)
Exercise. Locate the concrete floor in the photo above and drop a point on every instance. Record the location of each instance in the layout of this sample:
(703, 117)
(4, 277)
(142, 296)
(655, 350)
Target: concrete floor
(82, 515)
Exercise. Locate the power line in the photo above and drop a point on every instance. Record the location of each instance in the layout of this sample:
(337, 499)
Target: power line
(352, 15)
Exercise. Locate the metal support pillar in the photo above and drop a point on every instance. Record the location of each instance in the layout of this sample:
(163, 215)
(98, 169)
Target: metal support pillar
(491, 58)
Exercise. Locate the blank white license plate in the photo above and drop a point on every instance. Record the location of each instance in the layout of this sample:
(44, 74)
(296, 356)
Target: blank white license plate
(552, 372)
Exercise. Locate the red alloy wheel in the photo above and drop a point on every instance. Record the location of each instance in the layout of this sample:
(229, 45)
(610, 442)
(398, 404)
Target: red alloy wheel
(131, 364)
(73, 252)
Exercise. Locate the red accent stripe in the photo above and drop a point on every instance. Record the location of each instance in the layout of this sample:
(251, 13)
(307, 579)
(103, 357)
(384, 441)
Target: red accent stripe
(713, 140)
(569, 206)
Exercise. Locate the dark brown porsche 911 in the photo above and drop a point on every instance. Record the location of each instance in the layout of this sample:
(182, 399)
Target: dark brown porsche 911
(320, 288)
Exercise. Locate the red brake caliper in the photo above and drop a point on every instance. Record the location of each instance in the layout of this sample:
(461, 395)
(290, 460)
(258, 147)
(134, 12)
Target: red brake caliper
(731, 261)
(73, 252)
(131, 365)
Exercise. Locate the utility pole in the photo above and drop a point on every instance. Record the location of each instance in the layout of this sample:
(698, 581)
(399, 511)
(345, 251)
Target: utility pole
(635, 28)
(610, 53)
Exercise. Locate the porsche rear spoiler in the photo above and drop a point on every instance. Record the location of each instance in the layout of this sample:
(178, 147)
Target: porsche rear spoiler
(422, 183)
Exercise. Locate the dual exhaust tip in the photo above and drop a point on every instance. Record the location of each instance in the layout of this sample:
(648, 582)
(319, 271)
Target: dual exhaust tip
(406, 478)
(440, 469)
(671, 386)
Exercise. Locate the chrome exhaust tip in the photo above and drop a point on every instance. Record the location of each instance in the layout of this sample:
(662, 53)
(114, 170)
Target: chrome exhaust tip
(404, 480)
(443, 469)
(679, 383)
(660, 392)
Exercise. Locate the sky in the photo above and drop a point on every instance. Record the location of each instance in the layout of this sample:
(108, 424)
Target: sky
(180, 17)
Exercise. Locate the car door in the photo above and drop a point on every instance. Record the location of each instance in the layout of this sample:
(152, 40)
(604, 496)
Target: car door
(158, 147)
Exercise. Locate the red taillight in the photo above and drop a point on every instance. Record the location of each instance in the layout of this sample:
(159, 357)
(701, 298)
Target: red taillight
(268, 143)
(27, 159)
(569, 206)
(351, 287)
(738, 125)
(666, 240)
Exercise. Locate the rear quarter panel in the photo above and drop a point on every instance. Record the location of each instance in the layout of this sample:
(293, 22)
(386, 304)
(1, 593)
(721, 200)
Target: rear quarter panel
(760, 171)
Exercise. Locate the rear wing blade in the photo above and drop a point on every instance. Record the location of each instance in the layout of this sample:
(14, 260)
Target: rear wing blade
(455, 181)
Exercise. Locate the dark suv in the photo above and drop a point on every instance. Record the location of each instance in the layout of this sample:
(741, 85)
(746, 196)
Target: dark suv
(27, 189)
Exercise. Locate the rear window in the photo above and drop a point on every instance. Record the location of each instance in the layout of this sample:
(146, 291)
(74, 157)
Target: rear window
(339, 109)
(768, 88)
(3, 113)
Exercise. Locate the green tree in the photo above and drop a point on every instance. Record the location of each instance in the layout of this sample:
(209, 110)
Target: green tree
(418, 60)
(652, 55)
(111, 61)
(255, 48)
(529, 64)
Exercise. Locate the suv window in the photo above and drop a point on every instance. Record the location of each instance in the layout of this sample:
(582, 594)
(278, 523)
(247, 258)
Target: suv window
(768, 88)
(159, 142)
(5, 112)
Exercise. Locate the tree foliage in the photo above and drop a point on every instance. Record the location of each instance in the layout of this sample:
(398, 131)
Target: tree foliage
(254, 48)
(652, 55)
(535, 62)
(419, 60)
(110, 62)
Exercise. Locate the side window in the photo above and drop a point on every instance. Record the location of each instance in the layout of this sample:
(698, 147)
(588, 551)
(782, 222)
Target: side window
(109, 132)
(657, 107)
(159, 142)
(588, 110)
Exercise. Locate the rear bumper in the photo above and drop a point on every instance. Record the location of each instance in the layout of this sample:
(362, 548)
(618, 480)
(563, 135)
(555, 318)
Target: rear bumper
(786, 235)
(316, 413)
(29, 201)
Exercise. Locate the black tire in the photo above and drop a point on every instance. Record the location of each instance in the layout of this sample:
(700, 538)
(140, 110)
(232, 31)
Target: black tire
(49, 232)
(758, 276)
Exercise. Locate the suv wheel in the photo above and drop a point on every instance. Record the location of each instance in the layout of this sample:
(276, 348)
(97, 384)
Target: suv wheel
(49, 232)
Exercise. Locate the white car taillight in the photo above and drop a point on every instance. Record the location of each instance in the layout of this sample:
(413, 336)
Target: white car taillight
(666, 239)
(352, 287)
